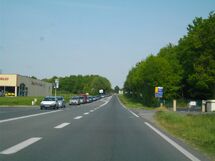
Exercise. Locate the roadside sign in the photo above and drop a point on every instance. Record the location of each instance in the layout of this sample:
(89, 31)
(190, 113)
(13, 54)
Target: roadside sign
(56, 83)
(158, 92)
(101, 91)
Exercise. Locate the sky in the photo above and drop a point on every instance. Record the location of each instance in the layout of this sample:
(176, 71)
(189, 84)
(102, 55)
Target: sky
(46, 38)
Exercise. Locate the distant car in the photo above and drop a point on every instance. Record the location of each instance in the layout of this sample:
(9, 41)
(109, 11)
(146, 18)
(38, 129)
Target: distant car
(94, 98)
(89, 99)
(102, 96)
(49, 102)
(75, 100)
(61, 102)
(82, 99)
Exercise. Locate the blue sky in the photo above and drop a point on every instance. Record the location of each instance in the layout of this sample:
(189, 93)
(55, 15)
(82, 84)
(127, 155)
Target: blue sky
(46, 38)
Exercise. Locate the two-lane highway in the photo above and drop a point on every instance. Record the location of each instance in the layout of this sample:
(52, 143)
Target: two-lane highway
(101, 131)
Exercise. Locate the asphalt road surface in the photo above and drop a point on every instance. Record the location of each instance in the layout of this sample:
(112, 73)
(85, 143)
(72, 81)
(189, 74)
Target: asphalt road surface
(99, 131)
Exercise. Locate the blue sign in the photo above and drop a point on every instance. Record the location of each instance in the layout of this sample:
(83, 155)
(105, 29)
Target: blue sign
(159, 92)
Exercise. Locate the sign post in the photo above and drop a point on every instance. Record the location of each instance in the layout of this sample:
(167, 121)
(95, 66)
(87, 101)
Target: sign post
(56, 85)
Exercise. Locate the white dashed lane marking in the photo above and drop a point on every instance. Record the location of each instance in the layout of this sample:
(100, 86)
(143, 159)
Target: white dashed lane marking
(28, 116)
(20, 146)
(78, 117)
(86, 113)
(61, 125)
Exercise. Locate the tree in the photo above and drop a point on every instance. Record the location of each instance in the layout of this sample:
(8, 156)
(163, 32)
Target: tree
(186, 70)
(116, 89)
(196, 54)
(82, 84)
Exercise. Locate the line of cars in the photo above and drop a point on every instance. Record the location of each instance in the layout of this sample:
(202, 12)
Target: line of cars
(77, 100)
(56, 102)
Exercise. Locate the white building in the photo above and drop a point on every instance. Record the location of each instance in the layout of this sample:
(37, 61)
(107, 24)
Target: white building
(17, 85)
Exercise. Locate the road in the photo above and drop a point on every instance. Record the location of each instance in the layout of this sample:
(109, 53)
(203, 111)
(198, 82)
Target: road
(100, 131)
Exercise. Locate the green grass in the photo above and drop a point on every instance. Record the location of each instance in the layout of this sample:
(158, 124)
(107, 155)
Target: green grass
(198, 130)
(13, 101)
(133, 103)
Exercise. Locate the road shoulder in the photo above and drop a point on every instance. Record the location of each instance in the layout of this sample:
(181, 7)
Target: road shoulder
(148, 115)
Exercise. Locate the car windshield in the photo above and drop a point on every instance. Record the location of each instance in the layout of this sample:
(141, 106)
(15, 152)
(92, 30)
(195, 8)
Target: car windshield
(76, 97)
(60, 98)
(49, 99)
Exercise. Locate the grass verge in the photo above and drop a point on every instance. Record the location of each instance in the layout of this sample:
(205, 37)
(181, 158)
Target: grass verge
(133, 103)
(13, 101)
(197, 130)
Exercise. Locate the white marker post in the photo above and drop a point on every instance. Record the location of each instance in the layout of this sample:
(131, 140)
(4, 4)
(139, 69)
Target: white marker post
(174, 105)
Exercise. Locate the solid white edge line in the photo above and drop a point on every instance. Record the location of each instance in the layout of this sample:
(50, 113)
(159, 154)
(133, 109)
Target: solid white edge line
(173, 143)
(78, 117)
(20, 146)
(127, 109)
(61, 125)
(133, 113)
(27, 116)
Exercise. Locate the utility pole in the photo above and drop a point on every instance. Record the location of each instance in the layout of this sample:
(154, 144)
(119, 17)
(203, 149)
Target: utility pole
(56, 86)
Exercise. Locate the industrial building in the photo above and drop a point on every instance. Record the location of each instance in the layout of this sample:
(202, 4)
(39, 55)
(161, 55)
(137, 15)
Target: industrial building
(17, 85)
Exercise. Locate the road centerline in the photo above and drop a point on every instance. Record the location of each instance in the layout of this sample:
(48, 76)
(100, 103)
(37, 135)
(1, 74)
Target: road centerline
(28, 116)
(78, 117)
(20, 146)
(61, 125)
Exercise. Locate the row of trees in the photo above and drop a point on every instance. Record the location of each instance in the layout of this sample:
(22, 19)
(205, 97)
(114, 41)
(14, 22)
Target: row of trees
(82, 84)
(186, 70)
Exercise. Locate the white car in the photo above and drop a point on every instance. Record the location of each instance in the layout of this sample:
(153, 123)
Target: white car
(75, 100)
(49, 102)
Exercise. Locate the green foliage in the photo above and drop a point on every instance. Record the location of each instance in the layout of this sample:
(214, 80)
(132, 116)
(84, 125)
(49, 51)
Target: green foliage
(196, 53)
(154, 71)
(196, 129)
(186, 70)
(116, 89)
(130, 102)
(82, 84)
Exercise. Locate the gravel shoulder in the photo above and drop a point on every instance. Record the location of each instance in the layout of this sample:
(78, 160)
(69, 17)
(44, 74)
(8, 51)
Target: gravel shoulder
(146, 114)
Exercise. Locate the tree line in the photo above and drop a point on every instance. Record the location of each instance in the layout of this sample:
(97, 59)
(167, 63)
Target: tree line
(185, 70)
(78, 84)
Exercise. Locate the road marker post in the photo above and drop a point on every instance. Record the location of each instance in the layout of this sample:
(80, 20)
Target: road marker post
(174, 105)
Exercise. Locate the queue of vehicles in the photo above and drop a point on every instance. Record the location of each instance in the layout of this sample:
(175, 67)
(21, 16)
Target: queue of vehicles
(77, 100)
(56, 102)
